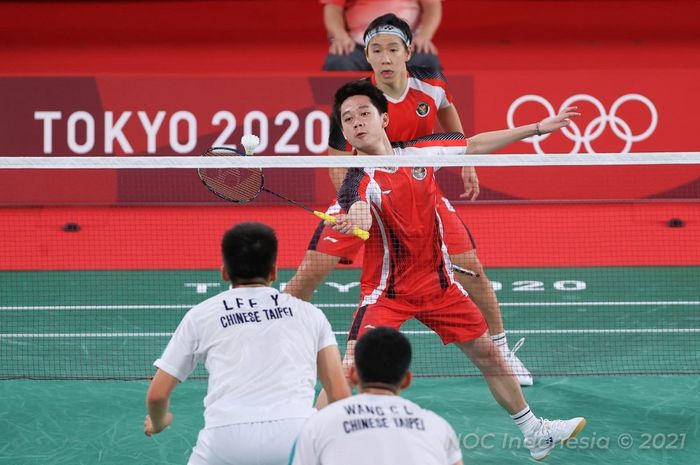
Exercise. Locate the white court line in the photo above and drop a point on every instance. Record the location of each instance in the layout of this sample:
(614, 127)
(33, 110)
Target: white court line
(604, 331)
(599, 304)
(343, 333)
(80, 335)
(346, 305)
(572, 331)
(96, 307)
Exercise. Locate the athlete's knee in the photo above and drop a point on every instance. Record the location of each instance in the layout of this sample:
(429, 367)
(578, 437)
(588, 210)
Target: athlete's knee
(481, 348)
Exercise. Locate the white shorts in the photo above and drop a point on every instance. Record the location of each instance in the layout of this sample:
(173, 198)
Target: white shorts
(260, 443)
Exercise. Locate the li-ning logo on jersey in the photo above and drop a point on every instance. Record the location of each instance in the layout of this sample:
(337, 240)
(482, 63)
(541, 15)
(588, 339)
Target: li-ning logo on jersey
(422, 109)
(419, 173)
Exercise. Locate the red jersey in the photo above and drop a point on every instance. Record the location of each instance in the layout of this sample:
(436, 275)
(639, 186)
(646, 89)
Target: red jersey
(412, 115)
(405, 255)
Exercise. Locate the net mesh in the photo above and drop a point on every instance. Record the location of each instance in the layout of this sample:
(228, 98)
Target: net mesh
(234, 184)
(99, 265)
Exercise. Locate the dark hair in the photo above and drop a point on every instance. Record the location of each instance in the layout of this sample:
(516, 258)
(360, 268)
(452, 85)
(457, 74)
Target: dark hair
(390, 19)
(382, 355)
(249, 251)
(359, 87)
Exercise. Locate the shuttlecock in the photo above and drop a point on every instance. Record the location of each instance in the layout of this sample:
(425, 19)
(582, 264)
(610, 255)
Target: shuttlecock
(249, 142)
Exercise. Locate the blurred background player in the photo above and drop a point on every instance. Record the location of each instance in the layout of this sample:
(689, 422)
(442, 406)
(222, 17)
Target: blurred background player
(418, 99)
(262, 349)
(406, 272)
(346, 21)
(377, 425)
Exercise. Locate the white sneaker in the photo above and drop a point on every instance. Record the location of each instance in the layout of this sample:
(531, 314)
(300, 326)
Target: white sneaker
(523, 374)
(548, 434)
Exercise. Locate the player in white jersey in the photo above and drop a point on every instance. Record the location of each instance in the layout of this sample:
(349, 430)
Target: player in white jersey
(377, 425)
(262, 349)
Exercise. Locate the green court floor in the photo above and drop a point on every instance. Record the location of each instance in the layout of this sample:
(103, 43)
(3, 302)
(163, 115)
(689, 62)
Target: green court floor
(602, 343)
(575, 321)
(641, 420)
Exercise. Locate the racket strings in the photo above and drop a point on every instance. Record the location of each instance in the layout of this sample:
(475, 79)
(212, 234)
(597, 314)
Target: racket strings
(235, 184)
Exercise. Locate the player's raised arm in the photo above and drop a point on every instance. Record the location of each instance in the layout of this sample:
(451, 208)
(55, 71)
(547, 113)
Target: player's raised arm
(487, 142)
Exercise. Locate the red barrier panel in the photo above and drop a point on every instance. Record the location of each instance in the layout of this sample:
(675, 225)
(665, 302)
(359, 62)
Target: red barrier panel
(623, 111)
(624, 234)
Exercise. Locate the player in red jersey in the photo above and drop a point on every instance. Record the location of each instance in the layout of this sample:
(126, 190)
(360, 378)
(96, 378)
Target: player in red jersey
(407, 272)
(418, 99)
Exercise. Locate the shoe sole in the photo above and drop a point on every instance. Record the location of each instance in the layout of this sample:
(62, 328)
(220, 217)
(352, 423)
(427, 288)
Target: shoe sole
(579, 427)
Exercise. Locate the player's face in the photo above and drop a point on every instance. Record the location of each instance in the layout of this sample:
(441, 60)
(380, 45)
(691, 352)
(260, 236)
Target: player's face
(387, 55)
(363, 125)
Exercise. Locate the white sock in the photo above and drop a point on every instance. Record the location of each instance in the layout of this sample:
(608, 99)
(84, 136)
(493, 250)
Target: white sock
(525, 420)
(500, 341)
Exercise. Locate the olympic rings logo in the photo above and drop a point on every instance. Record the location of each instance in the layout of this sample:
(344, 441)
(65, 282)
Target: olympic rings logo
(596, 127)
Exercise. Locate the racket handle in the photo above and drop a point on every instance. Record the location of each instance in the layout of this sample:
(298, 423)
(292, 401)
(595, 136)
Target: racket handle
(361, 233)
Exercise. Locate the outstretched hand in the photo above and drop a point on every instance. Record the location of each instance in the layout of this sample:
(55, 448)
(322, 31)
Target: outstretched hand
(554, 123)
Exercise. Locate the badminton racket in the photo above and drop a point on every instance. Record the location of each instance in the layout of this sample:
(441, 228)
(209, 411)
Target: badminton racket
(242, 185)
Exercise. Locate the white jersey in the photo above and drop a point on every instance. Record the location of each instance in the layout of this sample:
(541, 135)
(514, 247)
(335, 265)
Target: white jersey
(370, 428)
(259, 347)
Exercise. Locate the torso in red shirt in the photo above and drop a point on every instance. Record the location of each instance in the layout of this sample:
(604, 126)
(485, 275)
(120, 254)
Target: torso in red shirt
(411, 116)
(405, 256)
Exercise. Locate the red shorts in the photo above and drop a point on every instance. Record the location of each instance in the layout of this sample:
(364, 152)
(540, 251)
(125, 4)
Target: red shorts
(457, 237)
(451, 314)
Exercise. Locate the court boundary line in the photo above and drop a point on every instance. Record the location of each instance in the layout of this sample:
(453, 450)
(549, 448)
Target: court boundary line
(342, 305)
(344, 333)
